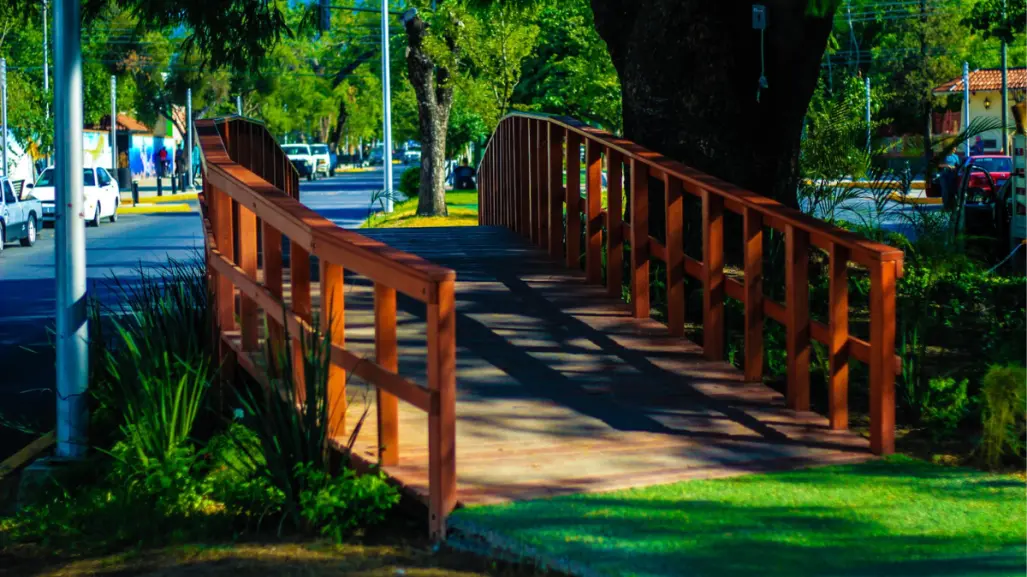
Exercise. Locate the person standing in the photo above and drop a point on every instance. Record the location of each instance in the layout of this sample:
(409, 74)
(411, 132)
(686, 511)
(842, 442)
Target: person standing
(162, 159)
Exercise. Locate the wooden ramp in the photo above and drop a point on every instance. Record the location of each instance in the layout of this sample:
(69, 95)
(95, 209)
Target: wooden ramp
(560, 391)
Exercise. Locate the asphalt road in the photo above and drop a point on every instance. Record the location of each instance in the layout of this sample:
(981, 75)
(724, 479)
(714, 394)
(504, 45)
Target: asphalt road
(28, 293)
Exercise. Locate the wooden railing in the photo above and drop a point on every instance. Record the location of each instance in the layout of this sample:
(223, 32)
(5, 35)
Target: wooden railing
(521, 186)
(247, 180)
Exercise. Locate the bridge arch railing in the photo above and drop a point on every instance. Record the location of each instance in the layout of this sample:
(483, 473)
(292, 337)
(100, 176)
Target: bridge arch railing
(521, 186)
(249, 185)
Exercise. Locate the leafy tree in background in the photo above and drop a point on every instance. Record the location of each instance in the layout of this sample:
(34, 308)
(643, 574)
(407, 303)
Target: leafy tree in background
(501, 36)
(570, 71)
(999, 19)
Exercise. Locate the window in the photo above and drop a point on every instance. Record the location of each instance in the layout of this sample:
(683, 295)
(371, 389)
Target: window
(296, 149)
(87, 177)
(319, 149)
(47, 178)
(994, 163)
(105, 179)
(8, 193)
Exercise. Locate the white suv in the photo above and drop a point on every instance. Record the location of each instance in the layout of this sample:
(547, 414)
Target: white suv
(321, 159)
(101, 193)
(301, 152)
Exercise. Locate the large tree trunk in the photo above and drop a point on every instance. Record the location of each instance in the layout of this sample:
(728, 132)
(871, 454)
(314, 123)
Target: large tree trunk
(434, 91)
(689, 72)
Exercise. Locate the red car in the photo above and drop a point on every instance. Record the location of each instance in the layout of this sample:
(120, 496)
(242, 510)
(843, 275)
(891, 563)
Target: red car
(996, 166)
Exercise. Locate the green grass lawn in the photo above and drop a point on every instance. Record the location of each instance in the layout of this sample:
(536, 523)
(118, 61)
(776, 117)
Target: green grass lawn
(461, 204)
(897, 516)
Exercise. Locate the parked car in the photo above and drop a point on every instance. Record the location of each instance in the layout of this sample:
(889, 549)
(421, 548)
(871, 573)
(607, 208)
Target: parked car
(20, 214)
(463, 178)
(303, 167)
(412, 156)
(101, 195)
(321, 159)
(301, 152)
(989, 173)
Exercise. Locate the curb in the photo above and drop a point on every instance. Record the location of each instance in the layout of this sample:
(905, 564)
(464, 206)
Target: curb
(181, 197)
(165, 208)
(896, 197)
(915, 185)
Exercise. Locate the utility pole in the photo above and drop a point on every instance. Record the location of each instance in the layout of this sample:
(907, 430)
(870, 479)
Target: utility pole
(1005, 88)
(70, 235)
(114, 125)
(189, 134)
(3, 112)
(927, 94)
(238, 104)
(386, 108)
(966, 106)
(46, 58)
(867, 81)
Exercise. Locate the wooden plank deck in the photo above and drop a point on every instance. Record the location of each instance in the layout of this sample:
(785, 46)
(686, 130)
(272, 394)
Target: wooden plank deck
(561, 391)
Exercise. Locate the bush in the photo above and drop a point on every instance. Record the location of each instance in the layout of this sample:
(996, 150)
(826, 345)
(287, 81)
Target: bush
(410, 181)
(1002, 399)
(338, 505)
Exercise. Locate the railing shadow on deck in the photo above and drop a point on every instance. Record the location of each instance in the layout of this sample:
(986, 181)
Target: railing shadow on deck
(250, 204)
(521, 187)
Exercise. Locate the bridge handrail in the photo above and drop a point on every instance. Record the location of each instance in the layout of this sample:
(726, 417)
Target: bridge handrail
(246, 177)
(521, 186)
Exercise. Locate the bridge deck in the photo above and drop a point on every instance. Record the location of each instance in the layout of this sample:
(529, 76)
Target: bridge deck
(561, 391)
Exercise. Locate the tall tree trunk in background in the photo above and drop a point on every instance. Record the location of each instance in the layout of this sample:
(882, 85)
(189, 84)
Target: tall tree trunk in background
(689, 72)
(335, 136)
(434, 90)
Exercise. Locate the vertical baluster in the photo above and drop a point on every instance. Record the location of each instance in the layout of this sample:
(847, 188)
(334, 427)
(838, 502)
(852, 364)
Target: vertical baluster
(555, 190)
(299, 270)
(248, 262)
(226, 245)
(272, 241)
(542, 180)
(882, 357)
(593, 208)
(675, 227)
(753, 267)
(573, 194)
(797, 309)
(838, 339)
(713, 271)
(614, 224)
(523, 177)
(333, 319)
(441, 331)
(530, 145)
(639, 239)
(386, 356)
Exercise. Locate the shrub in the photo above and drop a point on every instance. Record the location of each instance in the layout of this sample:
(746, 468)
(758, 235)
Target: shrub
(338, 505)
(410, 181)
(944, 405)
(1002, 397)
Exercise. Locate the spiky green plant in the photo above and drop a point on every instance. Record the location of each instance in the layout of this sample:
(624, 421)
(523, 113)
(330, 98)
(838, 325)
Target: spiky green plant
(1002, 394)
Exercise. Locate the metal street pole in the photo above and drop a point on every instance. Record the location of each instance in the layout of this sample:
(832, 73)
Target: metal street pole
(114, 126)
(1005, 90)
(46, 58)
(387, 108)
(189, 134)
(966, 105)
(238, 104)
(868, 112)
(3, 112)
(70, 234)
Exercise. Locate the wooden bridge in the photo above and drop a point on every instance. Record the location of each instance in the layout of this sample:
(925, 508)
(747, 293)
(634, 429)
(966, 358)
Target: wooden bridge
(521, 370)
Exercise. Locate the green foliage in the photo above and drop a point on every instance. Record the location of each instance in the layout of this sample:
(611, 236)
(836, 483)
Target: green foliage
(341, 504)
(410, 181)
(501, 36)
(943, 405)
(1002, 399)
(1001, 19)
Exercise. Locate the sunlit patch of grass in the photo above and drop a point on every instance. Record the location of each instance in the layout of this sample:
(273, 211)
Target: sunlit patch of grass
(462, 206)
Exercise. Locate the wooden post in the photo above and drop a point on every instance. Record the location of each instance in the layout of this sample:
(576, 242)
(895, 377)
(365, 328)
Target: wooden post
(299, 268)
(614, 220)
(593, 208)
(882, 354)
(573, 193)
(838, 339)
(226, 245)
(272, 241)
(333, 321)
(797, 335)
(555, 191)
(675, 227)
(713, 271)
(442, 419)
(387, 357)
(639, 239)
(753, 267)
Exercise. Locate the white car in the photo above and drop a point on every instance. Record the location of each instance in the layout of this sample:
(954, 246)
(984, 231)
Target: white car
(102, 197)
(301, 152)
(321, 159)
